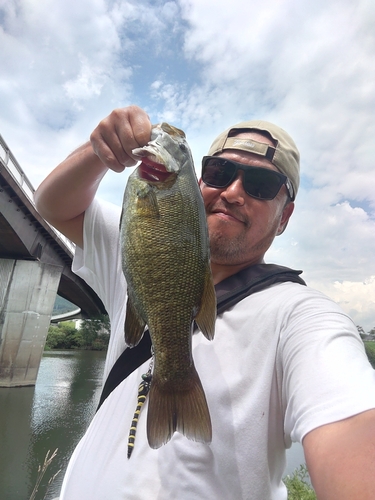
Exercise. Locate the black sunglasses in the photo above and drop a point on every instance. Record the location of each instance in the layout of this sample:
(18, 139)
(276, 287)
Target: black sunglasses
(260, 183)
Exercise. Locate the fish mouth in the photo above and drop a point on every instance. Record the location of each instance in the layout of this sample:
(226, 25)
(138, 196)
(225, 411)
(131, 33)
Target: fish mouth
(152, 171)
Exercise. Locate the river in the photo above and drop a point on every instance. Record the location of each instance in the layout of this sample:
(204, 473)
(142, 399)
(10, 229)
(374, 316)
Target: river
(54, 414)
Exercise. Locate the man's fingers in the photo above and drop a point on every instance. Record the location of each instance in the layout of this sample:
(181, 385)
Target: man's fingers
(108, 147)
(117, 135)
(140, 125)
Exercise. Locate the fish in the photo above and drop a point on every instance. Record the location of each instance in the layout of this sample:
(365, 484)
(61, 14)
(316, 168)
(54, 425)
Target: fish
(166, 263)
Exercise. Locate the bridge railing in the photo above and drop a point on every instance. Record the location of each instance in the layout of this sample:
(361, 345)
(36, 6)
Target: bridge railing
(15, 170)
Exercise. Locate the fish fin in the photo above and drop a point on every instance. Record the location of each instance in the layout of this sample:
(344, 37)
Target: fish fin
(134, 325)
(147, 203)
(171, 130)
(206, 316)
(182, 409)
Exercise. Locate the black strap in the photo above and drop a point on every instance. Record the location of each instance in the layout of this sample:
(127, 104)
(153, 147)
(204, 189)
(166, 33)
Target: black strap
(251, 280)
(228, 293)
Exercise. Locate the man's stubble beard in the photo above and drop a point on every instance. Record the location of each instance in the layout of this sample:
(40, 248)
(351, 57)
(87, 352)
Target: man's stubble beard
(238, 250)
(228, 251)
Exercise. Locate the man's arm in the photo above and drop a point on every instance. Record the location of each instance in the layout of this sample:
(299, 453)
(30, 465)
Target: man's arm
(63, 197)
(340, 458)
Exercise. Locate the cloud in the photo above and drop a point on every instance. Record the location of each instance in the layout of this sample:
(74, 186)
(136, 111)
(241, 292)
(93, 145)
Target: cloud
(68, 64)
(61, 77)
(43, 38)
(356, 298)
(334, 246)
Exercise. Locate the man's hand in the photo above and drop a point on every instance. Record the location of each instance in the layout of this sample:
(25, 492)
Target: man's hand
(340, 458)
(117, 135)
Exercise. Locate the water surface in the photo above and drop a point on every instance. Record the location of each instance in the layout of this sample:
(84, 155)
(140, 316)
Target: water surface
(53, 414)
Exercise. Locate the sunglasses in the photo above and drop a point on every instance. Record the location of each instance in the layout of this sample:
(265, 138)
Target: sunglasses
(260, 183)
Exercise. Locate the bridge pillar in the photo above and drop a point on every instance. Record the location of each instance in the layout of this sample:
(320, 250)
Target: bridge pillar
(27, 296)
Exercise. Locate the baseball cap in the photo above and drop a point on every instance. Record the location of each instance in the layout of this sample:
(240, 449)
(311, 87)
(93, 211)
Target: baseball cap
(284, 155)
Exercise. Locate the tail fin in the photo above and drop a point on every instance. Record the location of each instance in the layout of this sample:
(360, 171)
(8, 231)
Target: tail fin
(184, 410)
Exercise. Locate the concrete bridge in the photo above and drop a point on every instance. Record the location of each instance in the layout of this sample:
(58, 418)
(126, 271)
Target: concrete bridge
(35, 265)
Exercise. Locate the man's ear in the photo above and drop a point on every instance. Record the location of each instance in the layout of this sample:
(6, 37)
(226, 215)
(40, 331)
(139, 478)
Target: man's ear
(287, 212)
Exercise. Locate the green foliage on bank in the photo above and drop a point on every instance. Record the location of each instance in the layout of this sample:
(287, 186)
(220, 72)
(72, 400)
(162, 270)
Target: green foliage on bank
(93, 334)
(298, 485)
(370, 351)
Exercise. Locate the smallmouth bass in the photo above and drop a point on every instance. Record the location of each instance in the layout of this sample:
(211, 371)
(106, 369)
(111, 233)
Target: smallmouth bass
(165, 258)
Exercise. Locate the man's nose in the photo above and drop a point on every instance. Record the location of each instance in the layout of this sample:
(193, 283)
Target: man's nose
(235, 193)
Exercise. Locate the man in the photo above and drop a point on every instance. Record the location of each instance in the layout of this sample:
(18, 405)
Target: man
(286, 363)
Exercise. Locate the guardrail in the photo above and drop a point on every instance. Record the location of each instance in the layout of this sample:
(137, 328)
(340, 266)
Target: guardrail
(15, 170)
(76, 314)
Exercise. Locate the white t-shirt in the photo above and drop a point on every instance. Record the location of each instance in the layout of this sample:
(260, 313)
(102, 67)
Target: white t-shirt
(284, 361)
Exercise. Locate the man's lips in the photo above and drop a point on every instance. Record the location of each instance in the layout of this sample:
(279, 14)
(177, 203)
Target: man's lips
(228, 214)
(151, 171)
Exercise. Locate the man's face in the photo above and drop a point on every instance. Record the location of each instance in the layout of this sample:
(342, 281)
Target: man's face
(242, 228)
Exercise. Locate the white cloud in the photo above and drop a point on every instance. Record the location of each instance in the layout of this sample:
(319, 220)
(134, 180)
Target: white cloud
(356, 298)
(64, 77)
(87, 84)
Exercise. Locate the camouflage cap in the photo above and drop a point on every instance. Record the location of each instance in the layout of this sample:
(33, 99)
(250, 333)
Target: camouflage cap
(284, 155)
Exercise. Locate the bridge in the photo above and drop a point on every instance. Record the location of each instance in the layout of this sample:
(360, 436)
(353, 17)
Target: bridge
(35, 265)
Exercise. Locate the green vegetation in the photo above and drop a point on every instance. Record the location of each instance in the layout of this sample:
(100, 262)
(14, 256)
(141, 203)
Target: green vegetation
(298, 485)
(369, 341)
(370, 351)
(93, 334)
(63, 306)
(62, 336)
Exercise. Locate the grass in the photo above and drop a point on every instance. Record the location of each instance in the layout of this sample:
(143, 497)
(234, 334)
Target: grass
(370, 351)
(41, 471)
(298, 485)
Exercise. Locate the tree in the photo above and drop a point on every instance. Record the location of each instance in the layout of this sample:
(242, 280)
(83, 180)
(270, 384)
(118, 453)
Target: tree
(370, 351)
(361, 331)
(62, 336)
(94, 332)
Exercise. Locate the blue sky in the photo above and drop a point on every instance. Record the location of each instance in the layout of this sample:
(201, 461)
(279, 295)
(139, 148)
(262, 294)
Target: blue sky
(203, 65)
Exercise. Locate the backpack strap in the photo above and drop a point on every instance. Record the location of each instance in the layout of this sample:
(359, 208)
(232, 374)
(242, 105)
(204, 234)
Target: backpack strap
(250, 280)
(228, 293)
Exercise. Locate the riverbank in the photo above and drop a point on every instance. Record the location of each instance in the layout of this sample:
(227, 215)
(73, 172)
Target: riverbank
(92, 334)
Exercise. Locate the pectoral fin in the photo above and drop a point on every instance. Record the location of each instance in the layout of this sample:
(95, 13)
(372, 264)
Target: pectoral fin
(134, 325)
(147, 203)
(206, 316)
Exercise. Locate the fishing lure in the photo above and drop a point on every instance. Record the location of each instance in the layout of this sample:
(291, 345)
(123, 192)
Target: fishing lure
(143, 390)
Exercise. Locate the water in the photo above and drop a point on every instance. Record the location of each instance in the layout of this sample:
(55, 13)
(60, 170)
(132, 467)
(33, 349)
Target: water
(54, 414)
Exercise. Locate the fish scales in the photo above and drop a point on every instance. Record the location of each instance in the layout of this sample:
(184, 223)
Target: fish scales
(165, 253)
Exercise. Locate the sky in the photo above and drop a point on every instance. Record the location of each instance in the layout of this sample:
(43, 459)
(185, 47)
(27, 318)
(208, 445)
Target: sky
(203, 65)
